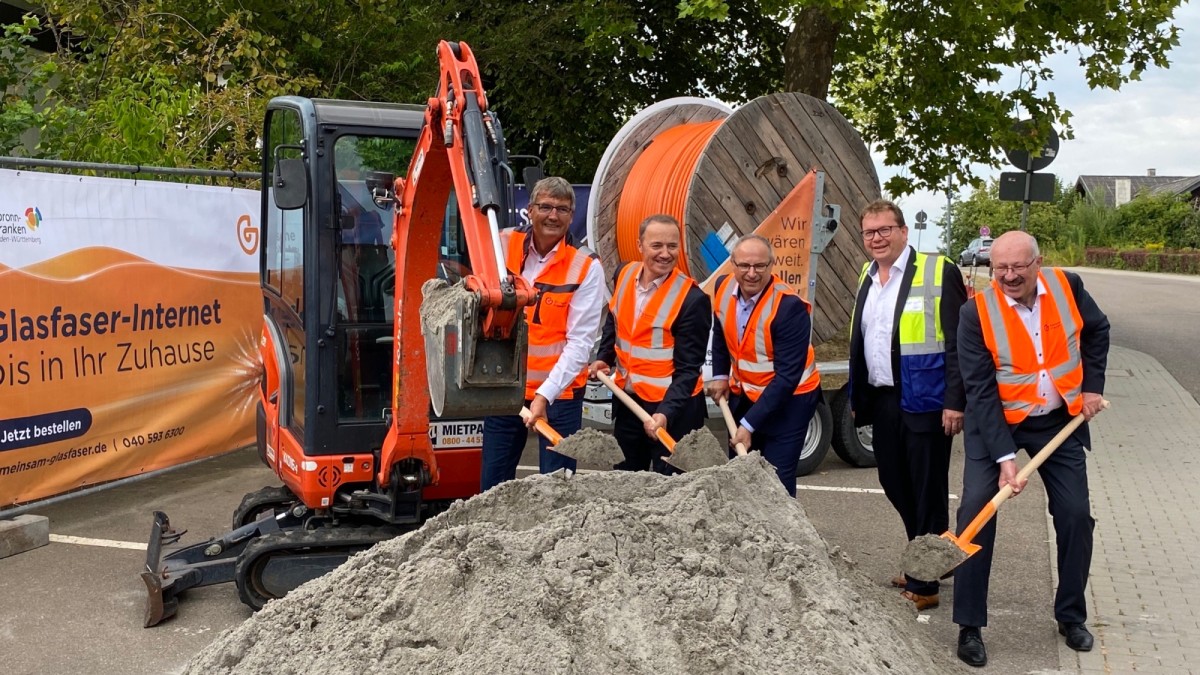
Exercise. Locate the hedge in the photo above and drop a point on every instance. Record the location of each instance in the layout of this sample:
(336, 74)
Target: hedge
(1177, 262)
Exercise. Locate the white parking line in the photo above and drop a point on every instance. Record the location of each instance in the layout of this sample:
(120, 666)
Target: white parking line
(104, 543)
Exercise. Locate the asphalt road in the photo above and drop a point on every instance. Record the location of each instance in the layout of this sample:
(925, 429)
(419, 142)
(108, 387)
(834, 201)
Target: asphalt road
(1158, 314)
(77, 606)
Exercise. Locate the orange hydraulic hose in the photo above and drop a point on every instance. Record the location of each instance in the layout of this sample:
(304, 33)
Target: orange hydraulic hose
(658, 183)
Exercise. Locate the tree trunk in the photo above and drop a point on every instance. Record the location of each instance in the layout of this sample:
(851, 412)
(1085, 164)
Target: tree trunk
(808, 54)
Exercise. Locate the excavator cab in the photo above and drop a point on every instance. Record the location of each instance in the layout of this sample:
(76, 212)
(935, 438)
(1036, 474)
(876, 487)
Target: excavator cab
(366, 207)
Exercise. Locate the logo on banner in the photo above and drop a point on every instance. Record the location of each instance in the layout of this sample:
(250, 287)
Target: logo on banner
(16, 228)
(247, 234)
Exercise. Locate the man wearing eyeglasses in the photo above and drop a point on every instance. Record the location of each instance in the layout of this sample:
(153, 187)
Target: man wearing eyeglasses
(1033, 348)
(762, 358)
(563, 324)
(904, 377)
(654, 343)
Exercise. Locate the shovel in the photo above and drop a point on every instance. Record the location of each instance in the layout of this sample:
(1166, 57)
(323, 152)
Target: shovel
(606, 452)
(937, 557)
(542, 427)
(691, 456)
(729, 422)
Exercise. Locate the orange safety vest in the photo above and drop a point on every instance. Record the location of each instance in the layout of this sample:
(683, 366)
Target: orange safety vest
(547, 318)
(752, 358)
(646, 347)
(1017, 364)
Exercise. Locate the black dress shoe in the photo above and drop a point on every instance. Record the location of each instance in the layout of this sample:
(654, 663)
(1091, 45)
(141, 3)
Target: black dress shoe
(970, 647)
(1078, 637)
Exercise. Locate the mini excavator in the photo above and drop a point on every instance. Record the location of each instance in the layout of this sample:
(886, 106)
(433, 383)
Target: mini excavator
(350, 383)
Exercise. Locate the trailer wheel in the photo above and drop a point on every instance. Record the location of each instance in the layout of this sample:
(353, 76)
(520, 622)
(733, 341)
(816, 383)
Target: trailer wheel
(852, 444)
(816, 441)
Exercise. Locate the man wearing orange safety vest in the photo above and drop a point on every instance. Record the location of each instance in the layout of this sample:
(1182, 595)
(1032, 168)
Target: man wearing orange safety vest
(656, 336)
(562, 324)
(1033, 348)
(762, 354)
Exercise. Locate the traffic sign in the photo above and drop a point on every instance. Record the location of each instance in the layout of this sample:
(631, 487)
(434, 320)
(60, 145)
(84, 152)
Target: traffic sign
(1026, 186)
(1022, 158)
(921, 218)
(985, 231)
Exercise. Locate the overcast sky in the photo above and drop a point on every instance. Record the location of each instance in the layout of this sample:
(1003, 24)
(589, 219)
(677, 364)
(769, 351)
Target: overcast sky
(1150, 124)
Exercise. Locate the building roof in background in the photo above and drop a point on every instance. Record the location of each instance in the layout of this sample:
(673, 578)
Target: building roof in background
(1107, 186)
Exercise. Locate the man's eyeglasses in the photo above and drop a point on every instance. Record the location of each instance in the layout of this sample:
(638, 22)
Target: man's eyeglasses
(547, 208)
(1019, 269)
(746, 267)
(884, 232)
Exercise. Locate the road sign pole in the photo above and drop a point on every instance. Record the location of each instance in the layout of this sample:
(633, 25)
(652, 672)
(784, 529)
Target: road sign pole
(1025, 202)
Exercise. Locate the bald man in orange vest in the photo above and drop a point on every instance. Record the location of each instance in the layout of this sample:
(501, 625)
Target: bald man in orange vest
(1033, 348)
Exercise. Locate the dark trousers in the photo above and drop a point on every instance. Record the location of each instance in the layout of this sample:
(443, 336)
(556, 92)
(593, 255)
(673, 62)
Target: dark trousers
(781, 439)
(1065, 477)
(504, 438)
(914, 471)
(642, 452)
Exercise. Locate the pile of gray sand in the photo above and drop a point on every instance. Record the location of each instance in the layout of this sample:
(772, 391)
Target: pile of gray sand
(592, 447)
(699, 449)
(713, 571)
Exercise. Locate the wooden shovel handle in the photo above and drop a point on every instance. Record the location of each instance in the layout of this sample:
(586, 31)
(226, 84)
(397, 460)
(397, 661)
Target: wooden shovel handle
(989, 509)
(542, 426)
(641, 413)
(729, 422)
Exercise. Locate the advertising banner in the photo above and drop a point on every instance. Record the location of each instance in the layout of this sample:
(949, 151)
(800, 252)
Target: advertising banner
(129, 318)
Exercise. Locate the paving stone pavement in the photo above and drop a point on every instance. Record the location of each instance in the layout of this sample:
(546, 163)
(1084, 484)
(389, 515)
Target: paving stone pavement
(1144, 590)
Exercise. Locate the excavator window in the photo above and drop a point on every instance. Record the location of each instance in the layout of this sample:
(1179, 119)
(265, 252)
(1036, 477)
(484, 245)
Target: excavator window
(366, 282)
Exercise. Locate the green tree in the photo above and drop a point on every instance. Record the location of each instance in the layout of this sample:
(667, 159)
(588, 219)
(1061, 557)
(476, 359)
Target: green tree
(23, 78)
(983, 208)
(931, 83)
(1163, 219)
(186, 81)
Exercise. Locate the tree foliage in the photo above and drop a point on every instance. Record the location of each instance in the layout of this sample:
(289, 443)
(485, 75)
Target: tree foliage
(984, 208)
(184, 82)
(936, 86)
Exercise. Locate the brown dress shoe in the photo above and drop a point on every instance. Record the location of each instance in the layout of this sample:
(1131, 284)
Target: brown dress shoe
(921, 602)
(900, 581)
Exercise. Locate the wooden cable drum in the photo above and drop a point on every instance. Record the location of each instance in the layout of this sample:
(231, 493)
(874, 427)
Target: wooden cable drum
(721, 172)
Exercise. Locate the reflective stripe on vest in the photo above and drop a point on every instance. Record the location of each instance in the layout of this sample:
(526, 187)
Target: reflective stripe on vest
(752, 355)
(645, 346)
(546, 319)
(1017, 363)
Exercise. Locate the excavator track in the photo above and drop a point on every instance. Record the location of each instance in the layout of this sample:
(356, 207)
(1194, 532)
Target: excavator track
(273, 500)
(276, 563)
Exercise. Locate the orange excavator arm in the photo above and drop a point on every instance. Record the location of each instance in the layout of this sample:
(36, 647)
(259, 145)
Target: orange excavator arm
(460, 150)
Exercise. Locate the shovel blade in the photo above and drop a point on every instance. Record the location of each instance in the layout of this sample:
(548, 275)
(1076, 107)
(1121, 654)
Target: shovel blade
(965, 546)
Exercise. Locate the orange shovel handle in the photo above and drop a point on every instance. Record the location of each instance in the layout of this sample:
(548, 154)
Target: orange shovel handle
(642, 415)
(989, 509)
(542, 427)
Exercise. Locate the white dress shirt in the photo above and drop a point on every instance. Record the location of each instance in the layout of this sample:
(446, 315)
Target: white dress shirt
(583, 321)
(1031, 317)
(878, 321)
(642, 295)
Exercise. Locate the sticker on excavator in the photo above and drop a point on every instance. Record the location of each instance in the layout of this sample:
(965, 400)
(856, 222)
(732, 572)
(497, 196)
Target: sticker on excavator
(457, 434)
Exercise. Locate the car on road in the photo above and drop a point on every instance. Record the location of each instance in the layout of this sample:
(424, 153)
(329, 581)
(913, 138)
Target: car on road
(978, 252)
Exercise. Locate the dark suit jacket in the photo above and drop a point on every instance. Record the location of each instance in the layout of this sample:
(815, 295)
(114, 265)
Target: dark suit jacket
(985, 427)
(690, 331)
(954, 294)
(791, 333)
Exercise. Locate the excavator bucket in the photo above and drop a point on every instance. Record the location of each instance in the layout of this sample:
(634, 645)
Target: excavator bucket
(468, 375)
